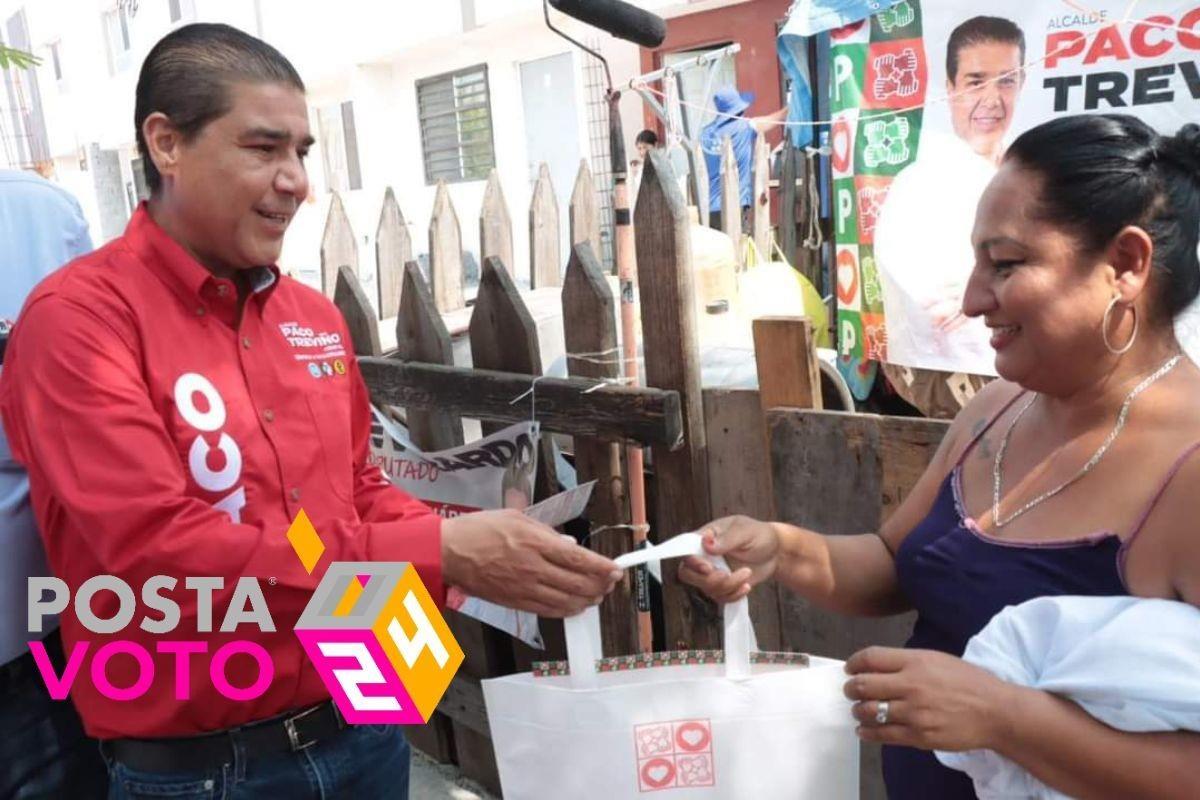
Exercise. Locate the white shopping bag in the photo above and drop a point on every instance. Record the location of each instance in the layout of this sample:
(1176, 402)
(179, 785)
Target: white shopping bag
(732, 730)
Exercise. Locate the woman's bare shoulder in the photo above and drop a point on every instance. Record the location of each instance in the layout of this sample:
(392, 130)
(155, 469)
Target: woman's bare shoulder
(975, 416)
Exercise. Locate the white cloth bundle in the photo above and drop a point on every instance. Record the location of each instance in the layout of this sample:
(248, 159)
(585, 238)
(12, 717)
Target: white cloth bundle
(1131, 663)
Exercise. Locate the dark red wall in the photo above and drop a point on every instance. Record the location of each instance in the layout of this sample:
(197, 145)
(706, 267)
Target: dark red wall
(753, 26)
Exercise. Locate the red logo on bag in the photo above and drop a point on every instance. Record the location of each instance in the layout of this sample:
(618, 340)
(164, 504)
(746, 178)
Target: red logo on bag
(673, 755)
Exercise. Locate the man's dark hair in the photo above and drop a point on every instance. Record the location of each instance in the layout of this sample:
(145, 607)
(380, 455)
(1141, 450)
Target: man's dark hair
(1102, 172)
(188, 75)
(978, 30)
(647, 137)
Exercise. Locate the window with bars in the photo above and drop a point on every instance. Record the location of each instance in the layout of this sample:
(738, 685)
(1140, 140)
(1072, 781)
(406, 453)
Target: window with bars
(181, 10)
(140, 186)
(116, 28)
(455, 115)
(339, 147)
(56, 60)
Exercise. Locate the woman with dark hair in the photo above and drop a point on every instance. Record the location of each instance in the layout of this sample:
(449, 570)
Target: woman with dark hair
(1073, 475)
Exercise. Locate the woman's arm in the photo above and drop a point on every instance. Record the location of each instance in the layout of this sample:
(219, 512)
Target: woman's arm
(765, 123)
(938, 702)
(853, 575)
(1066, 748)
(847, 574)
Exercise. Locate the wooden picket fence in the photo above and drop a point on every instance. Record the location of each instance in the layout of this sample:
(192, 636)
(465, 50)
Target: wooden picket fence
(713, 452)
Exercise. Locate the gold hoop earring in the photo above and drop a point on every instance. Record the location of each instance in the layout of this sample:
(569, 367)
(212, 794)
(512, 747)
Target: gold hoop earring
(1104, 328)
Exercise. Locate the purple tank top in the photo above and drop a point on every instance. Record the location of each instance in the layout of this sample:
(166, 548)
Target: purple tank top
(957, 578)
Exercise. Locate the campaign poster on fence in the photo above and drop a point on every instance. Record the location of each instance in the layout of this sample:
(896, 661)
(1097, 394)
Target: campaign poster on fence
(926, 96)
(494, 472)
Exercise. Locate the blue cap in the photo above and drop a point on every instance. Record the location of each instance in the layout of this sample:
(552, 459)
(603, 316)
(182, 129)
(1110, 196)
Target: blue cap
(729, 100)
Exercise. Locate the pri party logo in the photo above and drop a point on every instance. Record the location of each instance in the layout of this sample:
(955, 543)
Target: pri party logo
(375, 636)
(896, 17)
(886, 142)
(896, 74)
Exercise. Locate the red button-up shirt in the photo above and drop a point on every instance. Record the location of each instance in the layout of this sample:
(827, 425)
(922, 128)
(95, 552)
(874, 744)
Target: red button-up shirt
(164, 436)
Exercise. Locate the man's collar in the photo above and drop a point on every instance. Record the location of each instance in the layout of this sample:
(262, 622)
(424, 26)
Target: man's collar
(182, 273)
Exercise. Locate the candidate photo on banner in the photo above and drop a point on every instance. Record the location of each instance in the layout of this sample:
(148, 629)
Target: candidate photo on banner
(992, 70)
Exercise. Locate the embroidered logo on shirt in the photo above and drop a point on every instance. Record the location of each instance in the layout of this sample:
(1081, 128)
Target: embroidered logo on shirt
(315, 348)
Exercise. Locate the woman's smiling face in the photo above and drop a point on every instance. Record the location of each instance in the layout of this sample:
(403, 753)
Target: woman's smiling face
(1041, 295)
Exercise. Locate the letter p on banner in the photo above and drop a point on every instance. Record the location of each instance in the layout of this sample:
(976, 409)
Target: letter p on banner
(379, 643)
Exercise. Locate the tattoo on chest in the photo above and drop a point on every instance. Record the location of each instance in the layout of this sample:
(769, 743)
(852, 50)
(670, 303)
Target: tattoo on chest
(983, 448)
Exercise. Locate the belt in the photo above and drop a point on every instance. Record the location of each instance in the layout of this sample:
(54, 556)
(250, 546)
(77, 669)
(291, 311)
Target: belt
(288, 733)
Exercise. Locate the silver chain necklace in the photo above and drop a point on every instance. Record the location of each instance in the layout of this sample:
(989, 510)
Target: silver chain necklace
(998, 465)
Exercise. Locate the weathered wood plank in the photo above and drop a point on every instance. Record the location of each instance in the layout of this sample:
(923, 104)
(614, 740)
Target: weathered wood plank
(762, 197)
(788, 371)
(590, 326)
(700, 184)
(786, 359)
(338, 248)
(504, 336)
(584, 210)
(477, 759)
(495, 223)
(421, 336)
(664, 262)
(573, 406)
(545, 267)
(356, 309)
(463, 702)
(840, 474)
(731, 200)
(445, 253)
(787, 203)
(393, 249)
(739, 480)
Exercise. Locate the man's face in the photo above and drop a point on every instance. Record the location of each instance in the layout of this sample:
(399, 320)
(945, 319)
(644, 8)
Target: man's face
(236, 186)
(642, 149)
(984, 95)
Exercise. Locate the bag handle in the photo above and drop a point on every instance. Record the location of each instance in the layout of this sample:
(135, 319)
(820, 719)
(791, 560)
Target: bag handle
(583, 630)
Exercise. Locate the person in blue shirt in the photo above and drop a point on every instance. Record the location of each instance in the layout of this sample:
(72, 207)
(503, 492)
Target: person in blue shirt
(43, 752)
(731, 123)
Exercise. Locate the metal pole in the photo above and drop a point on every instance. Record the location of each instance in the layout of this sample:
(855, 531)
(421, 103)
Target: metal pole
(626, 255)
(627, 277)
(699, 61)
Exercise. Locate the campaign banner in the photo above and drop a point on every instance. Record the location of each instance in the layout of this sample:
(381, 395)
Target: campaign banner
(494, 472)
(926, 97)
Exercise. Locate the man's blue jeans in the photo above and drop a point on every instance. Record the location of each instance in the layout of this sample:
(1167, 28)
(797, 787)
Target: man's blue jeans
(362, 762)
(43, 751)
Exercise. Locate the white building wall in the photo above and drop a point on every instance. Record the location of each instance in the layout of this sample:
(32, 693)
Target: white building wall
(371, 52)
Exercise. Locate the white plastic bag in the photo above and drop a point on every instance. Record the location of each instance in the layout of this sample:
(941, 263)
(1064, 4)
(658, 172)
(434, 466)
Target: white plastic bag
(729, 730)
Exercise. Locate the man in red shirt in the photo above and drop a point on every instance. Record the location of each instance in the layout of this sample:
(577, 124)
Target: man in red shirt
(162, 394)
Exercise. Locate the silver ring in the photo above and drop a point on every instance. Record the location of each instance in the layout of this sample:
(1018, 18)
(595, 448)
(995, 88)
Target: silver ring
(881, 712)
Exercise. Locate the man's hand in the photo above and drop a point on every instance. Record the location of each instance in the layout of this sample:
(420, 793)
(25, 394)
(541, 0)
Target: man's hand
(508, 558)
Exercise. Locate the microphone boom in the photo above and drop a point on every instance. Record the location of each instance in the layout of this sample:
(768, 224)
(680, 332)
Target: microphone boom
(623, 20)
